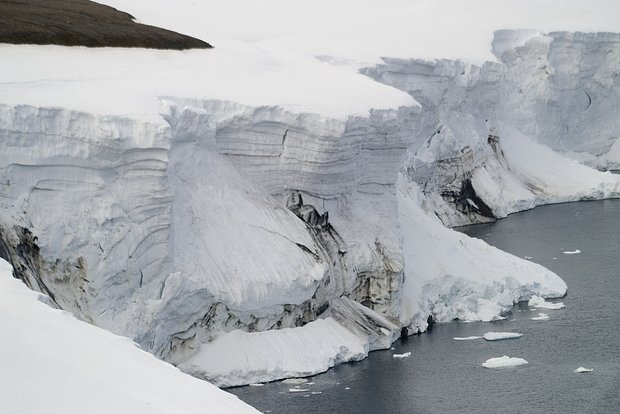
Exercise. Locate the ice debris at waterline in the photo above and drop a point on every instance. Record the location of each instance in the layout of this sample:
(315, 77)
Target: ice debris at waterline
(541, 317)
(572, 251)
(504, 362)
(539, 302)
(466, 338)
(297, 389)
(582, 370)
(405, 355)
(295, 381)
(497, 336)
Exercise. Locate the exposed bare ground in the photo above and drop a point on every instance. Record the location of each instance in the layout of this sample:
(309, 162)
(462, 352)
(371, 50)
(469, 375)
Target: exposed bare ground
(82, 23)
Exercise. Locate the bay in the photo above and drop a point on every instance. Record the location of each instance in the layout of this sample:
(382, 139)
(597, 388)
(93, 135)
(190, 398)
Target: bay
(446, 376)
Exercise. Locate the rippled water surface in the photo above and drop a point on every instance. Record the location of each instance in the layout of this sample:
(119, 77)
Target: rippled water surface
(446, 376)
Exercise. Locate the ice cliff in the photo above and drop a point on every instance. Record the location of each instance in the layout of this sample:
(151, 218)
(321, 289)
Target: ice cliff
(229, 232)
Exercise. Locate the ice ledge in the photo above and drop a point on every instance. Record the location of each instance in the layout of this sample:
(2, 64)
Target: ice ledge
(347, 332)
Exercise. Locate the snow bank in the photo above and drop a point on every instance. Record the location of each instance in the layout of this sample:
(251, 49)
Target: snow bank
(239, 358)
(497, 336)
(504, 362)
(452, 276)
(71, 365)
(537, 301)
(537, 175)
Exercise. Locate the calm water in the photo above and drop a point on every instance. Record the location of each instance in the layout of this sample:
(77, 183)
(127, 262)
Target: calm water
(445, 376)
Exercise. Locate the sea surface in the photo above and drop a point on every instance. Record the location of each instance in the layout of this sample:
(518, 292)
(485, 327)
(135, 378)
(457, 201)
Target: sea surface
(446, 376)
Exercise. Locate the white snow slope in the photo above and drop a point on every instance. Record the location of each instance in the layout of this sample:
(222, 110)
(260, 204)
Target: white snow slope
(53, 363)
(308, 165)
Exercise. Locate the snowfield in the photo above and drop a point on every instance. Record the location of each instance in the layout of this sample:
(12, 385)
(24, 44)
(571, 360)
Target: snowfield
(75, 366)
(284, 202)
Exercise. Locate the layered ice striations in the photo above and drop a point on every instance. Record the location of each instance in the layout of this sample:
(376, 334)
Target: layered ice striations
(220, 229)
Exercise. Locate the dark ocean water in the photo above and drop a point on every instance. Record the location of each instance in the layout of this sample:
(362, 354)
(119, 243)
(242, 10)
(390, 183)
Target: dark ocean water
(446, 376)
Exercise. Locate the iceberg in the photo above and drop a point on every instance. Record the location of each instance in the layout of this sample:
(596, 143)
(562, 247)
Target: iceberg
(577, 251)
(542, 303)
(541, 317)
(504, 362)
(405, 355)
(582, 370)
(497, 336)
(466, 338)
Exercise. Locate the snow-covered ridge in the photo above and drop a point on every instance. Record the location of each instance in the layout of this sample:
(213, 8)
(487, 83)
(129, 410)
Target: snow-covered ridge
(220, 220)
(73, 365)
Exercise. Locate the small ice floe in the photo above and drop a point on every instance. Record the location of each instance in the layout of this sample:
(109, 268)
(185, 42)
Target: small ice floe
(554, 258)
(298, 390)
(497, 336)
(504, 362)
(466, 338)
(405, 355)
(541, 317)
(295, 381)
(347, 388)
(316, 392)
(528, 257)
(581, 370)
(542, 303)
(577, 251)
(256, 384)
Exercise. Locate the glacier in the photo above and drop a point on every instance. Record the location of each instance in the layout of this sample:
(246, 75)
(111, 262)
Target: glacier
(250, 234)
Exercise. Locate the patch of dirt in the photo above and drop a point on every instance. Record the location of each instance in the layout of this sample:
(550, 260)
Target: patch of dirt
(83, 23)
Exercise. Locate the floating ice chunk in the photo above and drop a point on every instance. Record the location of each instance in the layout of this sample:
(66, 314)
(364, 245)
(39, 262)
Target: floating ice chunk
(542, 303)
(256, 384)
(295, 381)
(541, 317)
(581, 370)
(298, 390)
(504, 362)
(466, 338)
(572, 251)
(527, 257)
(496, 336)
(347, 388)
(405, 355)
(316, 392)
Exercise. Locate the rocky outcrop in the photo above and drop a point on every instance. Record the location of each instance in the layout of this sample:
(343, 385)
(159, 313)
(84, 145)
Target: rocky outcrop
(83, 23)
